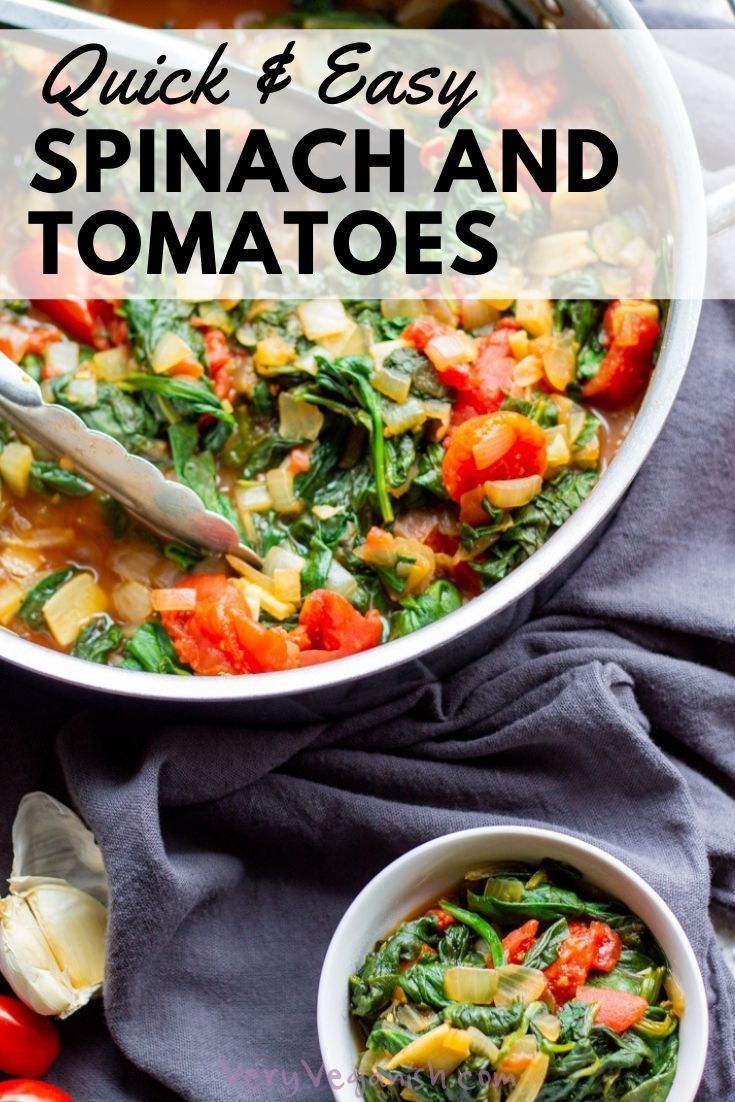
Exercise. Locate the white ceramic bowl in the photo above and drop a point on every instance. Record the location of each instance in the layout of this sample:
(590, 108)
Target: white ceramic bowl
(423, 874)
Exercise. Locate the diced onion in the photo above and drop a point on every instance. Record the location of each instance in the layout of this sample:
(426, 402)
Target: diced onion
(518, 982)
(134, 563)
(252, 595)
(322, 318)
(518, 343)
(418, 1021)
(557, 447)
(477, 313)
(535, 315)
(174, 600)
(395, 385)
(132, 602)
(350, 342)
(548, 1026)
(398, 419)
(11, 598)
(252, 497)
(513, 492)
(493, 446)
(72, 606)
(471, 985)
(442, 1049)
(575, 422)
(676, 995)
(112, 365)
(448, 349)
(82, 388)
(574, 210)
(610, 237)
(281, 557)
(61, 357)
(279, 481)
(481, 1045)
(273, 353)
(299, 420)
(588, 456)
(170, 351)
(287, 583)
(401, 308)
(528, 371)
(339, 580)
(15, 466)
(20, 561)
(531, 1080)
(279, 610)
(556, 253)
(560, 361)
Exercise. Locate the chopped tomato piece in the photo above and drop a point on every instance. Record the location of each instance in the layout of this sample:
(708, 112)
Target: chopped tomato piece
(624, 372)
(218, 358)
(497, 446)
(299, 460)
(334, 629)
(618, 1010)
(442, 918)
(420, 331)
(517, 943)
(220, 634)
(517, 104)
(609, 947)
(80, 318)
(588, 947)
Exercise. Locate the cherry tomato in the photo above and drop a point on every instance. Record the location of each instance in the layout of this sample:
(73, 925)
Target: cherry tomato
(29, 1043)
(335, 629)
(517, 943)
(619, 1010)
(627, 366)
(513, 447)
(31, 1090)
(221, 636)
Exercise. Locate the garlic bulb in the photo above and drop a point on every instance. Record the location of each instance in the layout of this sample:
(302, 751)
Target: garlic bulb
(53, 923)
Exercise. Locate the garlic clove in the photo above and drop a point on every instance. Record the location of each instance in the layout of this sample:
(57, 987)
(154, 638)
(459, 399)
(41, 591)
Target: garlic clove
(51, 842)
(27, 962)
(74, 926)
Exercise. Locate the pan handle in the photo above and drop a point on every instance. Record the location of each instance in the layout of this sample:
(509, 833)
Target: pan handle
(721, 208)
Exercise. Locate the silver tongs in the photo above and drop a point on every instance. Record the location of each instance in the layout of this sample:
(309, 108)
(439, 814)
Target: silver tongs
(167, 508)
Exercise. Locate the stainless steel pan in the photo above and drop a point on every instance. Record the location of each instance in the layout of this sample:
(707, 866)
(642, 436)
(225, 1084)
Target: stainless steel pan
(389, 671)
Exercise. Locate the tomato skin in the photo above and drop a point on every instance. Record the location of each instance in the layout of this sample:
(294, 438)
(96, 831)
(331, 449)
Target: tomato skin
(627, 366)
(221, 637)
(29, 1043)
(335, 629)
(525, 456)
(618, 1010)
(31, 1090)
(517, 943)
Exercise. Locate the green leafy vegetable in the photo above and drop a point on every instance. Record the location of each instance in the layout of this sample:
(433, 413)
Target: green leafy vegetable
(98, 640)
(149, 319)
(197, 397)
(49, 477)
(484, 929)
(441, 598)
(31, 611)
(151, 649)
